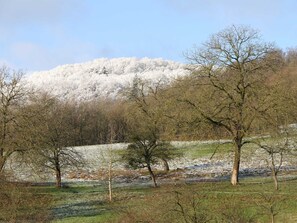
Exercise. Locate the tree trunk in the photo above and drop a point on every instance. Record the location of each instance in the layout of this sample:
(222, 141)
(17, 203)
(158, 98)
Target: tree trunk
(165, 165)
(110, 180)
(1, 165)
(152, 175)
(272, 217)
(274, 174)
(2, 160)
(58, 178)
(275, 181)
(236, 163)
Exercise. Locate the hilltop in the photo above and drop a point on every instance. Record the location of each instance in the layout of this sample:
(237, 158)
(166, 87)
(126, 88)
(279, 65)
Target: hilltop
(102, 77)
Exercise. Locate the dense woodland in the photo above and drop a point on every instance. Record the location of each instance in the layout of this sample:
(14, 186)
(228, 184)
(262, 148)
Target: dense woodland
(239, 88)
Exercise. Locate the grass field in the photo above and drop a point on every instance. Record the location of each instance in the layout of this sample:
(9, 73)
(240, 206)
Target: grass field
(199, 150)
(254, 200)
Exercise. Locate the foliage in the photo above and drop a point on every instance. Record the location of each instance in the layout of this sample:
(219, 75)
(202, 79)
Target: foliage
(145, 152)
(140, 153)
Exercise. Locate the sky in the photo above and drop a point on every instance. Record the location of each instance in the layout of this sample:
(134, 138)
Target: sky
(42, 34)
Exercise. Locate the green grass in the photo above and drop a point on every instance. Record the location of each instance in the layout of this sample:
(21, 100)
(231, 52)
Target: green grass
(201, 150)
(251, 200)
(75, 202)
(214, 149)
(221, 201)
(88, 204)
(108, 217)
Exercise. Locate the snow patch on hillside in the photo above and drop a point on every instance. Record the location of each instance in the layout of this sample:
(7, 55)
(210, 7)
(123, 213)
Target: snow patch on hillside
(102, 77)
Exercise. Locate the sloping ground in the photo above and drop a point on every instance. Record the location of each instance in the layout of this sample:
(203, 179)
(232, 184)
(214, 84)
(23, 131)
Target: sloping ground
(195, 164)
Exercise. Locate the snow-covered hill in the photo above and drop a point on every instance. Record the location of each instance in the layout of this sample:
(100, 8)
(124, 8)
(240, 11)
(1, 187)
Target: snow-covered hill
(102, 77)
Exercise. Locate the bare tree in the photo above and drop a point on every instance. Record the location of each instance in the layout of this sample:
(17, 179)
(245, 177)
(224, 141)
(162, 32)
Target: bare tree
(108, 159)
(147, 106)
(278, 143)
(276, 149)
(145, 151)
(12, 98)
(191, 209)
(52, 138)
(230, 83)
(270, 203)
(146, 120)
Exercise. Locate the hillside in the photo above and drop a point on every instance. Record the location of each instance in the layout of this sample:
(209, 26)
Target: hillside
(102, 77)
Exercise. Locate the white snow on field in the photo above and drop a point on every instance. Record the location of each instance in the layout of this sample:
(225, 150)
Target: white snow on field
(102, 77)
(253, 162)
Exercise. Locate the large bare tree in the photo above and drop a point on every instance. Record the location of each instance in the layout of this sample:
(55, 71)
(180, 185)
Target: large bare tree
(12, 97)
(229, 83)
(52, 137)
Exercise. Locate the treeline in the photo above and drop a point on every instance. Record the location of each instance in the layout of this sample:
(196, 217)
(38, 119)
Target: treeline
(238, 87)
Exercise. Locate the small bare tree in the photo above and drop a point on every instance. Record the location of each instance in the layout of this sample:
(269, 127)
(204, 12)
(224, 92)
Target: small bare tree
(278, 146)
(145, 151)
(108, 159)
(275, 152)
(191, 208)
(270, 204)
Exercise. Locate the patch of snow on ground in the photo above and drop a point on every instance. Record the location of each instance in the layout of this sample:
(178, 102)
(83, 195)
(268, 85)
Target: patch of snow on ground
(254, 163)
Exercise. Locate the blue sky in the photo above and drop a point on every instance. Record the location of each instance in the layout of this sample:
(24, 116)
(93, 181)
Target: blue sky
(42, 34)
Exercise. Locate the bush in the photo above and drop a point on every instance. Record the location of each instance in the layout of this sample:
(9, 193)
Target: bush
(20, 204)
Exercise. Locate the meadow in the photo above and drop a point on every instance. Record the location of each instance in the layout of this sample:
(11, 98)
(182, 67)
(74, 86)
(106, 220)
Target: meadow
(189, 192)
(211, 200)
(254, 200)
